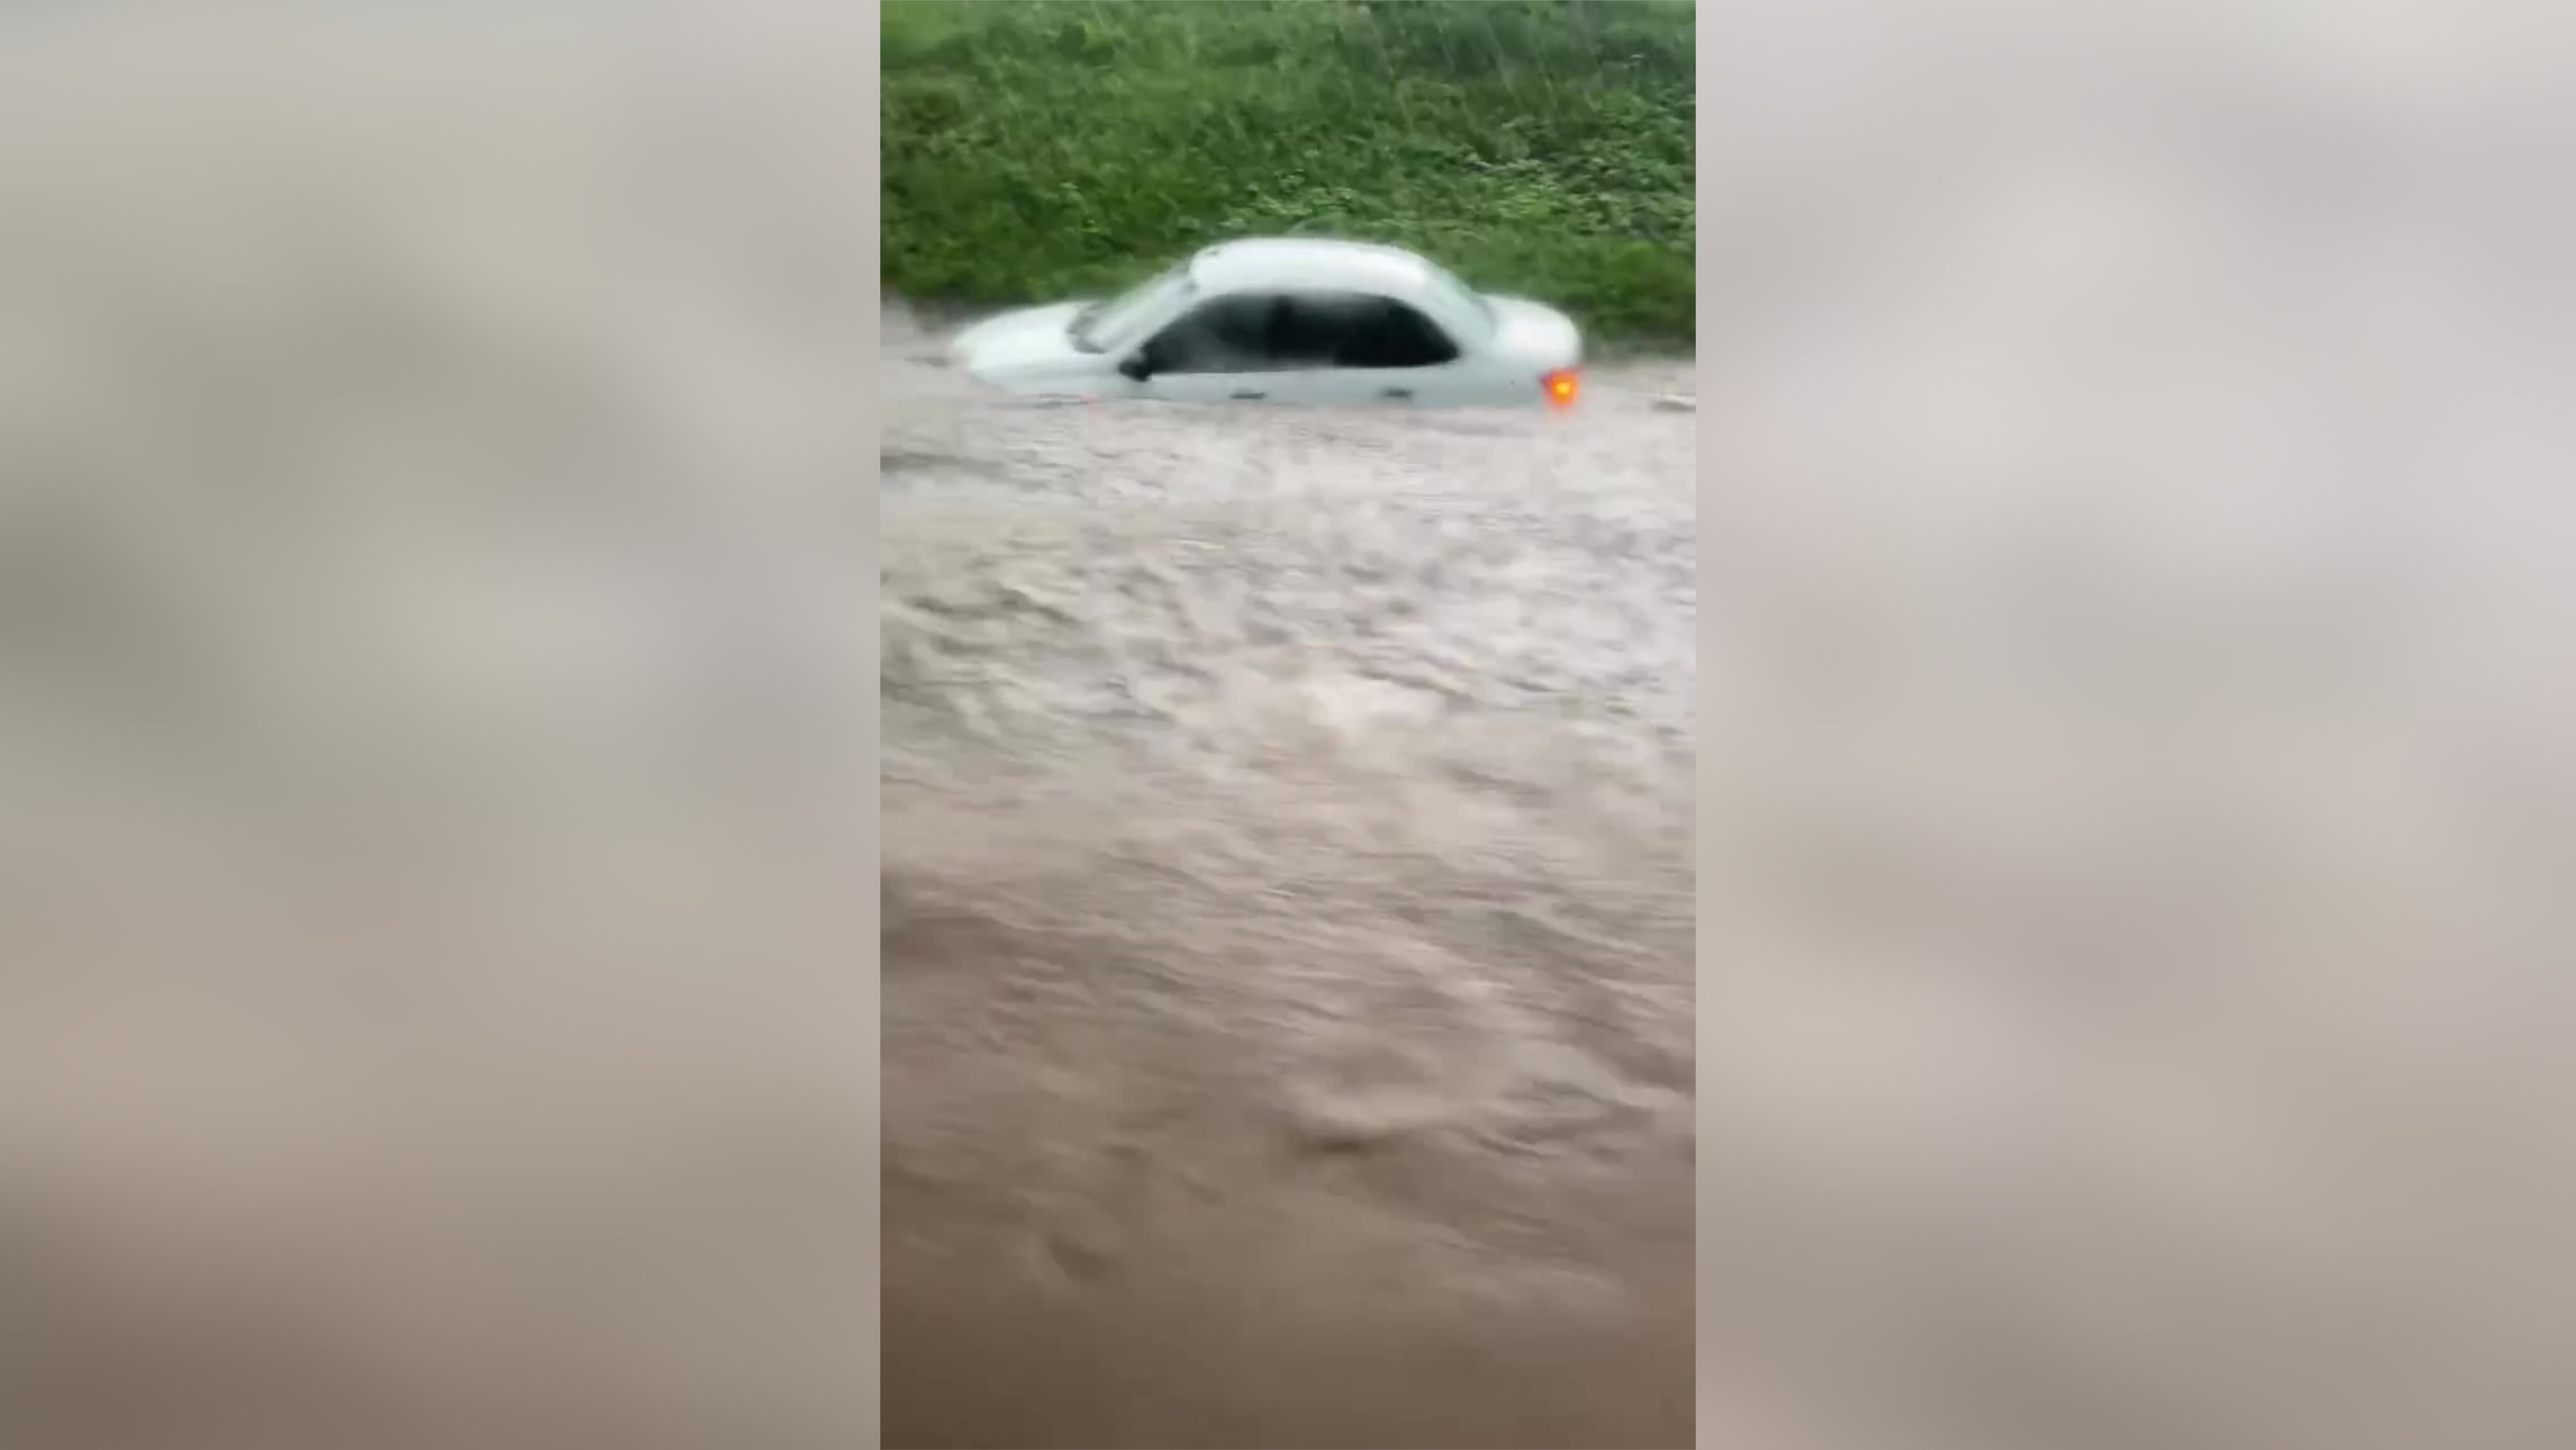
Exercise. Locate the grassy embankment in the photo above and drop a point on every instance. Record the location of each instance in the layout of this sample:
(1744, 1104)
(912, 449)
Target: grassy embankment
(1054, 149)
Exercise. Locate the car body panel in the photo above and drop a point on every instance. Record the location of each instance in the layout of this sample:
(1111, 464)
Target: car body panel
(1536, 336)
(1506, 345)
(1301, 386)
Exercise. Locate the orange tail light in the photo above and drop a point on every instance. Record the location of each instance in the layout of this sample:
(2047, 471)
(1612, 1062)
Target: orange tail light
(1559, 385)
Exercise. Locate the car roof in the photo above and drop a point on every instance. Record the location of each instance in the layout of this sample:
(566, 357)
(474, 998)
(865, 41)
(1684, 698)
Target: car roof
(1309, 262)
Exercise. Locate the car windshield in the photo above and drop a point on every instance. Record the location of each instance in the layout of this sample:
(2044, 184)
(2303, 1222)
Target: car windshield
(1102, 324)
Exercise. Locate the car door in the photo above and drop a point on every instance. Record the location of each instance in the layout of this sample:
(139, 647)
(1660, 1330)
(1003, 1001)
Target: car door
(1221, 350)
(1371, 349)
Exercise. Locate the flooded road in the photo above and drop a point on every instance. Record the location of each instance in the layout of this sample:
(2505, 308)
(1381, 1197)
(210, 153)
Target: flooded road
(1287, 966)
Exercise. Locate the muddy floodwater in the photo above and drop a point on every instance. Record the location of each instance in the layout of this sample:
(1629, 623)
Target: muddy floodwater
(1287, 838)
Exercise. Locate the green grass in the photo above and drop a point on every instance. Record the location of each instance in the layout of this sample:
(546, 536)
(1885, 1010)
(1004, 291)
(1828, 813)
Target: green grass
(1036, 149)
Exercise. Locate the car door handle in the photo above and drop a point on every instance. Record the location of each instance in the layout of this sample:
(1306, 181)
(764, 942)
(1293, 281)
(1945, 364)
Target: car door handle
(1248, 397)
(1401, 395)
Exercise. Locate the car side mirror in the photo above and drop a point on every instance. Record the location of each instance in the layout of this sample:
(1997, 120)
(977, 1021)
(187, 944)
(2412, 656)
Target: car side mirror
(1135, 366)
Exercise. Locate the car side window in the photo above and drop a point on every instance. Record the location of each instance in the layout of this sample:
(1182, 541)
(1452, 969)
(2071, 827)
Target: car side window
(1316, 329)
(1249, 332)
(1351, 330)
(1403, 338)
(1232, 334)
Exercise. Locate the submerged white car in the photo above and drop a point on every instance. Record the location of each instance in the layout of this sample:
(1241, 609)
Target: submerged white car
(1288, 320)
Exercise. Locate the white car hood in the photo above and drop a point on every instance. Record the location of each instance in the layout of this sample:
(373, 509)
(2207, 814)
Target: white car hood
(1035, 339)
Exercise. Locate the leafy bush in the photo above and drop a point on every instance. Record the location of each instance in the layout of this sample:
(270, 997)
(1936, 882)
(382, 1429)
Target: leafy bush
(1036, 149)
